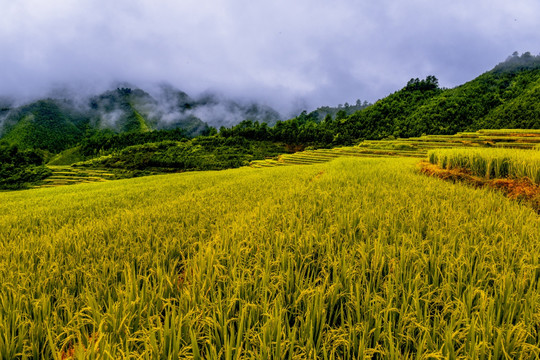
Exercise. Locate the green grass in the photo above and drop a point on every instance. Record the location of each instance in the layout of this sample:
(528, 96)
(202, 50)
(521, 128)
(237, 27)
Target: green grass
(354, 258)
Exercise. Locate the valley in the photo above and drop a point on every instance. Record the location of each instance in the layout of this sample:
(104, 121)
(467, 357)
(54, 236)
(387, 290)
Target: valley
(403, 229)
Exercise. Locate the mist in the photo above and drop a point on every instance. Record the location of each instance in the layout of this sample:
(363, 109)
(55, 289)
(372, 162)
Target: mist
(162, 107)
(288, 56)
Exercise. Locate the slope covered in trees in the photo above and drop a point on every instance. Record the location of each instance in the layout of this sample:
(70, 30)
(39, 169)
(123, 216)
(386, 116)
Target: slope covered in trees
(508, 96)
(200, 153)
(19, 168)
(136, 130)
(57, 124)
(505, 97)
(45, 124)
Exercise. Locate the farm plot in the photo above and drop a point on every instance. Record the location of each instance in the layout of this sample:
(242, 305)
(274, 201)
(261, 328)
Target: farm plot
(350, 259)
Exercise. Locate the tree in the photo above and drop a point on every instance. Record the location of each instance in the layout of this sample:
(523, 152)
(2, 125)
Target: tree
(341, 114)
(328, 118)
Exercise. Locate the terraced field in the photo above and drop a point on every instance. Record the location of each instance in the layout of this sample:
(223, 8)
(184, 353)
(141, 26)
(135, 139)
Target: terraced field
(358, 258)
(67, 175)
(411, 147)
(323, 155)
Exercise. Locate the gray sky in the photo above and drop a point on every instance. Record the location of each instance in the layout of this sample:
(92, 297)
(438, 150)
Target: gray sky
(287, 54)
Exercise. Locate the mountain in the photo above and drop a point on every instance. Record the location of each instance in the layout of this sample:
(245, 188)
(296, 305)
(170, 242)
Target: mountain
(388, 116)
(340, 111)
(213, 109)
(123, 110)
(508, 96)
(57, 124)
(219, 111)
(51, 125)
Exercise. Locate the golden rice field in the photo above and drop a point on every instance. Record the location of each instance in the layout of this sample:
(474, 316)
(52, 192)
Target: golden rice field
(413, 147)
(357, 258)
(490, 163)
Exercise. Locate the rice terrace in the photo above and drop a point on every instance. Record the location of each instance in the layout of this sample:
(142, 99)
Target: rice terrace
(358, 257)
(142, 222)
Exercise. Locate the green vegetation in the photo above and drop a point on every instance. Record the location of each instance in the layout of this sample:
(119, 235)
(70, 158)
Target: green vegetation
(491, 163)
(43, 125)
(505, 97)
(496, 99)
(20, 169)
(120, 110)
(325, 113)
(55, 125)
(129, 128)
(106, 141)
(355, 258)
(201, 153)
(412, 147)
(67, 157)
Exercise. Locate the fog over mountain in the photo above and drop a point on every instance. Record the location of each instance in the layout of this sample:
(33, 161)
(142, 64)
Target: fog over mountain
(287, 55)
(128, 108)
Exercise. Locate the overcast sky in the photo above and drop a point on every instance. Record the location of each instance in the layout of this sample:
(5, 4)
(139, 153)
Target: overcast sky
(287, 54)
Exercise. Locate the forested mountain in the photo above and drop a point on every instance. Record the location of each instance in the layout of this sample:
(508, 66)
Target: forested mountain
(49, 124)
(123, 110)
(339, 112)
(57, 124)
(131, 127)
(508, 96)
(505, 97)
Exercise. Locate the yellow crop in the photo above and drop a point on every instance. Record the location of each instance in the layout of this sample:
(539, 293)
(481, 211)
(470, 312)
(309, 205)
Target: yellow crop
(350, 259)
(491, 163)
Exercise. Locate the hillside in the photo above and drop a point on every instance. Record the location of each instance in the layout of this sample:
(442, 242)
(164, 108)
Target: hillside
(51, 125)
(123, 110)
(505, 97)
(346, 260)
(508, 96)
(57, 124)
(144, 133)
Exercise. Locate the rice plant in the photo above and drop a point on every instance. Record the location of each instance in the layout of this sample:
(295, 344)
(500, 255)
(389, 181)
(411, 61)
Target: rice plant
(357, 258)
(491, 163)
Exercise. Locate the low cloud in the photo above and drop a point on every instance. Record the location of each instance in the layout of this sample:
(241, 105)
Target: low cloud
(279, 53)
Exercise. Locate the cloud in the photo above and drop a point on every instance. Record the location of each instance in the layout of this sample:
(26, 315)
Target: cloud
(315, 52)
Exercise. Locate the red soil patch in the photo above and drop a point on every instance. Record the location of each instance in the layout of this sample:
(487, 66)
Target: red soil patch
(519, 189)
